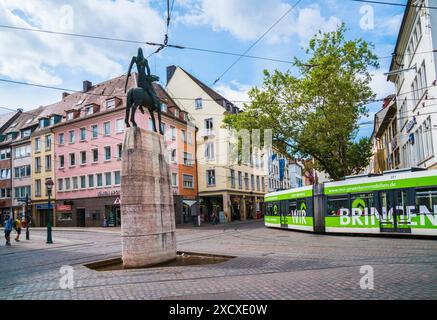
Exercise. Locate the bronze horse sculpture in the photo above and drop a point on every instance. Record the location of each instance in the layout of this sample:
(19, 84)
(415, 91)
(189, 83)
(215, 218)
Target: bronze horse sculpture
(144, 95)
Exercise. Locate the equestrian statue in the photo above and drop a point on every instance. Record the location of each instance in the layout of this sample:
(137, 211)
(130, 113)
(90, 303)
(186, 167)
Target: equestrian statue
(144, 95)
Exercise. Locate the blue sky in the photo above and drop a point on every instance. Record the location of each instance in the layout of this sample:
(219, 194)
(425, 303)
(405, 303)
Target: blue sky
(225, 25)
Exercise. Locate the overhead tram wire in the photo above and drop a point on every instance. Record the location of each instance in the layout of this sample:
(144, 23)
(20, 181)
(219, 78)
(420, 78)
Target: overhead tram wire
(258, 40)
(193, 99)
(395, 4)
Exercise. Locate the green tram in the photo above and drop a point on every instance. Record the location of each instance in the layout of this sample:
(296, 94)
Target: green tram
(397, 202)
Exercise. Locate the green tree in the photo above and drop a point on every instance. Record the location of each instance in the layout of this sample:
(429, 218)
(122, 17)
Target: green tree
(315, 115)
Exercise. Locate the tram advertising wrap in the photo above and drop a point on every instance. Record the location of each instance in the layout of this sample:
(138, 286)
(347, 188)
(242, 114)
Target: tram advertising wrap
(393, 203)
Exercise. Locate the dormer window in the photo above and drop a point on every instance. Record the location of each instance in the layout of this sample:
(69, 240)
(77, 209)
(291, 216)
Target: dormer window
(164, 107)
(89, 110)
(70, 115)
(110, 104)
(176, 113)
(44, 122)
(26, 133)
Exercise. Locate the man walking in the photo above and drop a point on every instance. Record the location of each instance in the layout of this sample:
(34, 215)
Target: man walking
(17, 227)
(8, 229)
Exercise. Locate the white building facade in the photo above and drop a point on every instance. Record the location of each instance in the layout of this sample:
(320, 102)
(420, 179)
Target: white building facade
(413, 71)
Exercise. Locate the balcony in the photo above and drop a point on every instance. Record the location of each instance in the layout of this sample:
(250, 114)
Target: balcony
(207, 133)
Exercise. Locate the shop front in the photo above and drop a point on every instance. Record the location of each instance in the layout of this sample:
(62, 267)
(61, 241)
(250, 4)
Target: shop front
(39, 213)
(92, 212)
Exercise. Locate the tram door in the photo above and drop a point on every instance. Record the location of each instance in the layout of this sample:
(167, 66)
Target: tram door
(392, 210)
(283, 214)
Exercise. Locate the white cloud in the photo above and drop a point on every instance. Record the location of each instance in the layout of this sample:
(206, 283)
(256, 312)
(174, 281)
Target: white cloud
(389, 26)
(235, 92)
(249, 19)
(380, 85)
(38, 57)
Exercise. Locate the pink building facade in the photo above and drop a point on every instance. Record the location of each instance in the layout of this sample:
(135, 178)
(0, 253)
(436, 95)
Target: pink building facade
(88, 144)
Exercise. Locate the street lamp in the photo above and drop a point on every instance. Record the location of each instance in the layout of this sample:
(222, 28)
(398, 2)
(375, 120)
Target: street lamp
(49, 186)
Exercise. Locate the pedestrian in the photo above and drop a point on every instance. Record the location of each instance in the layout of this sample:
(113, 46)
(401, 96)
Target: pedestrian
(17, 227)
(105, 222)
(8, 229)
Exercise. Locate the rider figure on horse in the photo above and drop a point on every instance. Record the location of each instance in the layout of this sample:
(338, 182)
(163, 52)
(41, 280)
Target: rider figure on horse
(145, 81)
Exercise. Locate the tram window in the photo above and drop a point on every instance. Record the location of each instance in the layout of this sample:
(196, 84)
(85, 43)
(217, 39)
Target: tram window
(337, 204)
(401, 203)
(364, 202)
(292, 207)
(428, 199)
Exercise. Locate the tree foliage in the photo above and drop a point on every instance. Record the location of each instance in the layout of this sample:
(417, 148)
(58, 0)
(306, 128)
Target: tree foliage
(315, 115)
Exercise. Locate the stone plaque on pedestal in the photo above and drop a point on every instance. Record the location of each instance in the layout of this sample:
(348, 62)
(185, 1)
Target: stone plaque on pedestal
(147, 210)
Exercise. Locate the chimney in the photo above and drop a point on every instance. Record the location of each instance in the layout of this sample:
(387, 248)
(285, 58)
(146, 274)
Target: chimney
(170, 72)
(87, 86)
(65, 95)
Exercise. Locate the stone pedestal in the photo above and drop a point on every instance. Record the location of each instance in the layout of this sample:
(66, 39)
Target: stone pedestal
(147, 210)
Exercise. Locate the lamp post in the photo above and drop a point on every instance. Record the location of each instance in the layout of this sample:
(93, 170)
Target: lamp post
(49, 186)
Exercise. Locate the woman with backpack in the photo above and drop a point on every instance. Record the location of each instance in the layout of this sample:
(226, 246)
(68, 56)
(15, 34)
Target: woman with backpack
(8, 229)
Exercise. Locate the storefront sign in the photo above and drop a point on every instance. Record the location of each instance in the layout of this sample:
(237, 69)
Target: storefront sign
(63, 207)
(108, 193)
(43, 206)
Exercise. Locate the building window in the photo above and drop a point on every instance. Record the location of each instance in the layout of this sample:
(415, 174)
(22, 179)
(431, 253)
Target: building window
(94, 132)
(210, 178)
(110, 104)
(107, 153)
(83, 157)
(60, 184)
(91, 181)
(5, 154)
(99, 180)
(258, 187)
(188, 181)
(48, 160)
(108, 179)
(37, 164)
(5, 174)
(150, 124)
(61, 139)
(246, 180)
(83, 182)
(37, 188)
(173, 155)
(95, 155)
(119, 151)
(163, 127)
(89, 110)
(119, 125)
(72, 159)
(37, 144)
(70, 116)
(232, 178)
(22, 192)
(48, 142)
(26, 133)
(174, 179)
(199, 103)
(75, 183)
(82, 134)
(209, 125)
(240, 180)
(67, 184)
(184, 136)
(263, 185)
(107, 128)
(61, 162)
(187, 159)
(252, 181)
(23, 171)
(164, 107)
(71, 135)
(173, 133)
(209, 151)
(23, 151)
(117, 178)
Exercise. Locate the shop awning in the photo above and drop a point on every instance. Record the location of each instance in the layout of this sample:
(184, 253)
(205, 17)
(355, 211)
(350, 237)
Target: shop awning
(189, 203)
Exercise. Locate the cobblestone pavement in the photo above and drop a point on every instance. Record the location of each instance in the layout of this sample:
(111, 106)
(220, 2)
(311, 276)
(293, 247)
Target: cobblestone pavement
(269, 264)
